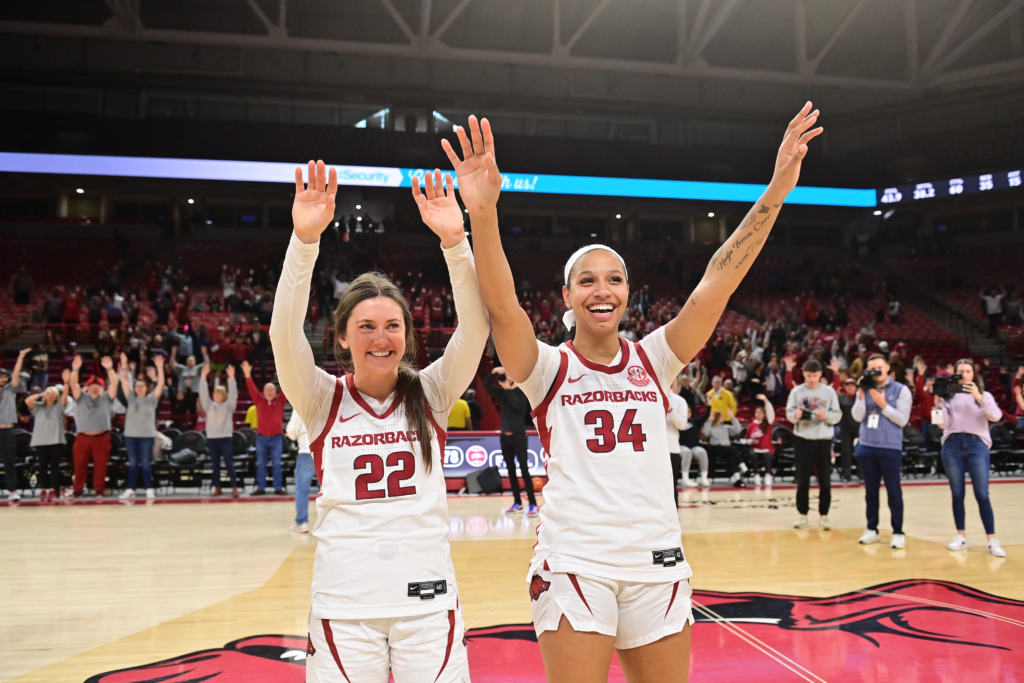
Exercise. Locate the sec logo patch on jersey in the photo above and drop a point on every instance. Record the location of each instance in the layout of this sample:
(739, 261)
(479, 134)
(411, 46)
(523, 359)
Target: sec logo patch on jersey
(638, 376)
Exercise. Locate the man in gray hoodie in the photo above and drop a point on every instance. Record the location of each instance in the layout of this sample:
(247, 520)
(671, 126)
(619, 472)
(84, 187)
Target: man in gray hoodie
(813, 408)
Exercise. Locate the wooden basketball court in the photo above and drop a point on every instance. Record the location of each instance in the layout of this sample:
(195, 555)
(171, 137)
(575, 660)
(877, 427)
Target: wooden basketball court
(114, 593)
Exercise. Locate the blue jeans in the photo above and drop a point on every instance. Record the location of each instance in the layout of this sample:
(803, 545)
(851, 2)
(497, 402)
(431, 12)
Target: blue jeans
(224, 447)
(269, 446)
(305, 474)
(962, 453)
(876, 465)
(140, 452)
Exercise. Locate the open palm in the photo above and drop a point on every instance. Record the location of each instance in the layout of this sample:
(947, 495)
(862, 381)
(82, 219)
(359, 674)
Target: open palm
(313, 209)
(479, 178)
(438, 207)
(794, 148)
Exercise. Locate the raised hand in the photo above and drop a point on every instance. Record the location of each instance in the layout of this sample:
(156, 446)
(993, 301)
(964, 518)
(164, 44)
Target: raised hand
(124, 363)
(438, 208)
(246, 369)
(65, 375)
(794, 148)
(158, 361)
(76, 363)
(313, 209)
(230, 370)
(23, 353)
(107, 363)
(479, 178)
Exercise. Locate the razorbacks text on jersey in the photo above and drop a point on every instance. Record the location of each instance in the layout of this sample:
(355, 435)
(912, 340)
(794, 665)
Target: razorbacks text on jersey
(608, 509)
(382, 519)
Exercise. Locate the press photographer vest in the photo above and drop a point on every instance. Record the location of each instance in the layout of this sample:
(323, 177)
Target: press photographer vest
(887, 434)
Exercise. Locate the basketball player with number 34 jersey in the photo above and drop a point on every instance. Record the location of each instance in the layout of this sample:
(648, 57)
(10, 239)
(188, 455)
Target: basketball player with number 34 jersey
(608, 571)
(384, 594)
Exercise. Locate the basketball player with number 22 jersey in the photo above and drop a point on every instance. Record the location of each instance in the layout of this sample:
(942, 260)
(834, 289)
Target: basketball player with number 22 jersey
(608, 571)
(384, 594)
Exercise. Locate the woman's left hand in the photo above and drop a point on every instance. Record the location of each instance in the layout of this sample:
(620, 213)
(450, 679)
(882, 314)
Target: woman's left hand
(972, 389)
(438, 208)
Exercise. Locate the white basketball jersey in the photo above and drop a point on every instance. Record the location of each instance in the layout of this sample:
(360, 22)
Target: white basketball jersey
(608, 506)
(382, 519)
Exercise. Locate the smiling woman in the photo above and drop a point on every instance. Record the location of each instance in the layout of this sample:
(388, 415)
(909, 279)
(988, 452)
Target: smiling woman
(384, 593)
(609, 551)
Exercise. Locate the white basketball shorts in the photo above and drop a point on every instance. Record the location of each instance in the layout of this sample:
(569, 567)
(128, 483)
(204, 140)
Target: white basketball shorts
(419, 649)
(634, 613)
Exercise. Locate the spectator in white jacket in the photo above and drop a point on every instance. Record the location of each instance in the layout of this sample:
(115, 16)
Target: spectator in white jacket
(305, 472)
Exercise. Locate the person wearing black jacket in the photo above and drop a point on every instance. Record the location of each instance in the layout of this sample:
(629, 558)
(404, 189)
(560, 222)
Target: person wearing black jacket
(515, 409)
(849, 428)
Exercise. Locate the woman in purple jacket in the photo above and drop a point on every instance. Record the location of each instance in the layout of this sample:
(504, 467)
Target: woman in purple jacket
(965, 448)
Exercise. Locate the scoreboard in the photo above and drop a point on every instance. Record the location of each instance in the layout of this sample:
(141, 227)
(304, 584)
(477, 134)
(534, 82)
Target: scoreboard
(986, 182)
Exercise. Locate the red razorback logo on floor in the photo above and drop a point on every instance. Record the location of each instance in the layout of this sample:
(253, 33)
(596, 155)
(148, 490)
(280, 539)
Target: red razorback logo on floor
(914, 630)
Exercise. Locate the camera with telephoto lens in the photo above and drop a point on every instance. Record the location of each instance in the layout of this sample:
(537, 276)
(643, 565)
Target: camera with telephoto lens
(947, 387)
(867, 381)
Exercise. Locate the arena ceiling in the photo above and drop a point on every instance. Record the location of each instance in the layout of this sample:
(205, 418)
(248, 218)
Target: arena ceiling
(748, 54)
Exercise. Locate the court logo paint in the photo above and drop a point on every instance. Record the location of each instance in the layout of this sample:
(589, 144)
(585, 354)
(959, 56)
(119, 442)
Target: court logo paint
(900, 631)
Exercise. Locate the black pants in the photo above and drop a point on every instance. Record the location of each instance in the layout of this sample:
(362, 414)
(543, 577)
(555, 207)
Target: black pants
(809, 454)
(730, 454)
(513, 447)
(49, 465)
(761, 461)
(993, 323)
(8, 449)
(677, 472)
(846, 454)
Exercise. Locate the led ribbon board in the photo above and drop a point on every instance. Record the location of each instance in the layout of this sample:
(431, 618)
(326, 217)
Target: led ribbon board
(374, 176)
(986, 182)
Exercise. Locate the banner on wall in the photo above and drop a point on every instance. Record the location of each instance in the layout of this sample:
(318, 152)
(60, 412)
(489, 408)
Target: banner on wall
(467, 452)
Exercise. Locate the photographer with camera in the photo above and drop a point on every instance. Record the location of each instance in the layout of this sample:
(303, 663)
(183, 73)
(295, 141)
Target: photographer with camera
(966, 411)
(813, 408)
(883, 409)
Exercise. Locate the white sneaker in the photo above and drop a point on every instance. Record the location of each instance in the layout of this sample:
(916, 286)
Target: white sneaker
(825, 524)
(958, 543)
(299, 529)
(995, 549)
(743, 468)
(14, 497)
(899, 542)
(704, 480)
(767, 480)
(687, 482)
(127, 494)
(801, 523)
(150, 494)
(870, 536)
(757, 480)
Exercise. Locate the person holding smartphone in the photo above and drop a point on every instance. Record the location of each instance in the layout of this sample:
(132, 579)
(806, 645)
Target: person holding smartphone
(965, 448)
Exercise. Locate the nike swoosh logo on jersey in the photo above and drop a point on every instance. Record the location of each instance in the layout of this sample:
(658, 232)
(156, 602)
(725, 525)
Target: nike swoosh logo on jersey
(573, 381)
(346, 419)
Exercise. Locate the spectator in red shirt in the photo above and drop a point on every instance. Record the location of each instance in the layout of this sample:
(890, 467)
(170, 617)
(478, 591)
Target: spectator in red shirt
(1017, 388)
(437, 312)
(238, 351)
(269, 442)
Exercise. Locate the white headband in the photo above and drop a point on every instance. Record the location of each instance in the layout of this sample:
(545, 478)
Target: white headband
(569, 318)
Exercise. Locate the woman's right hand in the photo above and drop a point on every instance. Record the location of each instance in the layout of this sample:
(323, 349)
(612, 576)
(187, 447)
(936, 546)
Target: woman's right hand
(479, 178)
(313, 209)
